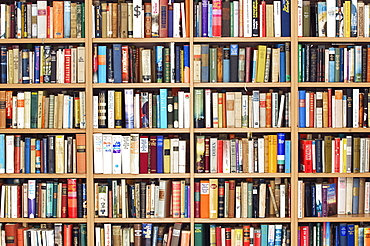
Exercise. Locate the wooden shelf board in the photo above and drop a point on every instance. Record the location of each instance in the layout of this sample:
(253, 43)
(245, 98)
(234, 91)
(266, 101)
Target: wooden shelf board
(332, 84)
(332, 130)
(332, 175)
(240, 130)
(139, 220)
(142, 130)
(338, 218)
(332, 39)
(140, 85)
(242, 39)
(241, 85)
(241, 175)
(44, 220)
(138, 40)
(42, 131)
(43, 86)
(42, 41)
(243, 220)
(143, 176)
(42, 175)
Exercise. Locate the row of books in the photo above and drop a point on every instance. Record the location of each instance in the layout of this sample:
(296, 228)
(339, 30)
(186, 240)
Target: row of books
(223, 154)
(136, 19)
(334, 154)
(249, 234)
(243, 18)
(142, 234)
(42, 154)
(251, 198)
(44, 199)
(58, 19)
(344, 63)
(136, 154)
(334, 109)
(236, 109)
(242, 64)
(130, 64)
(333, 19)
(142, 199)
(329, 233)
(42, 64)
(334, 196)
(141, 109)
(43, 234)
(41, 109)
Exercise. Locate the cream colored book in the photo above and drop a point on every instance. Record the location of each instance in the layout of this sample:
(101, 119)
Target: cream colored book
(59, 154)
(275, 65)
(238, 109)
(134, 154)
(230, 108)
(27, 109)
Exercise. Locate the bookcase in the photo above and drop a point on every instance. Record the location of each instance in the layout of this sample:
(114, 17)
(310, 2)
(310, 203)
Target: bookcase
(92, 89)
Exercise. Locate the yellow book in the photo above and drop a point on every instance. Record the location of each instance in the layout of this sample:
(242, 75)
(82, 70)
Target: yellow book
(59, 154)
(167, 157)
(261, 63)
(76, 112)
(272, 153)
(238, 236)
(347, 19)
(213, 198)
(182, 196)
(220, 111)
(356, 235)
(344, 155)
(118, 109)
(212, 235)
(40, 116)
(266, 151)
(33, 155)
(269, 20)
(42, 63)
(11, 67)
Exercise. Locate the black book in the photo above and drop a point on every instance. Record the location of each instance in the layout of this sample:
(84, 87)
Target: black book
(75, 235)
(110, 74)
(79, 201)
(313, 20)
(169, 110)
(313, 64)
(176, 112)
(366, 100)
(221, 198)
(320, 64)
(51, 154)
(255, 24)
(349, 107)
(308, 200)
(234, 60)
(307, 57)
(318, 158)
(98, 22)
(142, 200)
(364, 65)
(53, 76)
(255, 200)
(225, 32)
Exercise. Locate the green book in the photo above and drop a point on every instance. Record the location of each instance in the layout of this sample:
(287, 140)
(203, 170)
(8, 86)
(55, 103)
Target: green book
(299, 62)
(83, 235)
(306, 18)
(250, 200)
(199, 108)
(198, 235)
(213, 65)
(167, 66)
(337, 65)
(34, 109)
(231, 19)
(83, 20)
(154, 111)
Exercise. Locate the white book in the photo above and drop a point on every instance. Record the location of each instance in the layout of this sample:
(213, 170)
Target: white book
(245, 109)
(19, 23)
(14, 201)
(65, 111)
(367, 198)
(237, 109)
(182, 156)
(261, 155)
(366, 21)
(31, 195)
(145, 65)
(207, 100)
(98, 153)
(134, 153)
(97, 239)
(110, 109)
(176, 19)
(282, 200)
(213, 155)
(362, 154)
(137, 11)
(275, 109)
(308, 109)
(155, 18)
(137, 109)
(226, 156)
(356, 107)
(107, 154)
(281, 110)
(277, 18)
(326, 56)
(300, 198)
(31, 65)
(14, 112)
(82, 96)
(237, 201)
(330, 18)
(126, 154)
(349, 195)
(247, 18)
(236, 18)
(186, 110)
(95, 111)
(333, 112)
(116, 154)
(2, 209)
(345, 62)
(183, 19)
(351, 66)
(313, 156)
(256, 110)
(250, 111)
(3, 8)
(174, 153)
(230, 116)
(26, 110)
(80, 64)
(180, 95)
(250, 156)
(162, 190)
(215, 110)
(108, 234)
(342, 195)
(319, 110)
(366, 164)
(271, 235)
(262, 201)
(9, 142)
(74, 65)
(244, 199)
(41, 19)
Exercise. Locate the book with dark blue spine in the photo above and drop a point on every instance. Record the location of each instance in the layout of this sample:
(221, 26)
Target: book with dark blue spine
(117, 60)
(170, 19)
(3, 65)
(163, 108)
(205, 18)
(110, 72)
(186, 63)
(177, 64)
(51, 154)
(67, 19)
(285, 18)
(159, 63)
(287, 156)
(313, 200)
(278, 234)
(102, 66)
(343, 234)
(226, 64)
(318, 151)
(341, 64)
(36, 74)
(25, 66)
(355, 198)
(131, 192)
(234, 59)
(282, 73)
(147, 233)
(302, 108)
(44, 157)
(160, 154)
(351, 235)
(205, 63)
(27, 155)
(280, 152)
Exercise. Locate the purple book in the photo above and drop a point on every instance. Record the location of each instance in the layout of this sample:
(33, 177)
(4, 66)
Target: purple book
(31, 199)
(204, 18)
(324, 200)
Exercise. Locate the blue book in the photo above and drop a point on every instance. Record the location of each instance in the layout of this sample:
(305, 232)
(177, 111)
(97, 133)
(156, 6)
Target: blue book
(360, 236)
(343, 234)
(67, 19)
(281, 152)
(327, 234)
(27, 155)
(205, 65)
(177, 64)
(2, 153)
(37, 65)
(155, 235)
(163, 108)
(287, 156)
(285, 18)
(210, 20)
(302, 108)
(204, 18)
(341, 64)
(351, 235)
(159, 154)
(25, 66)
(49, 199)
(282, 74)
(102, 65)
(38, 158)
(159, 63)
(170, 20)
(313, 199)
(186, 60)
(84, 199)
(303, 68)
(278, 234)
(331, 64)
(318, 150)
(226, 65)
(353, 19)
(186, 203)
(117, 59)
(355, 201)
(264, 234)
(147, 233)
(3, 64)
(158, 112)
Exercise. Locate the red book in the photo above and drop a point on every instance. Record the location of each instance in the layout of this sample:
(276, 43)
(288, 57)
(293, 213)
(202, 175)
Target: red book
(8, 108)
(216, 18)
(336, 155)
(95, 63)
(12, 21)
(48, 23)
(17, 153)
(312, 110)
(67, 235)
(228, 236)
(248, 64)
(64, 200)
(125, 64)
(144, 150)
(19, 201)
(330, 93)
(163, 19)
(176, 199)
(218, 236)
(305, 236)
(206, 155)
(20, 235)
(246, 235)
(196, 199)
(307, 156)
(153, 154)
(72, 198)
(67, 65)
(110, 204)
(263, 19)
(257, 238)
(11, 233)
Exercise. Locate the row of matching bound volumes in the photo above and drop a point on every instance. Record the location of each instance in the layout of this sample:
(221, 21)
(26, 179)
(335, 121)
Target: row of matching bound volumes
(334, 154)
(243, 18)
(344, 63)
(44, 199)
(242, 64)
(139, 154)
(265, 154)
(142, 234)
(42, 64)
(39, 109)
(130, 64)
(43, 154)
(161, 108)
(257, 198)
(328, 233)
(61, 19)
(335, 109)
(236, 109)
(249, 234)
(333, 19)
(154, 19)
(142, 199)
(43, 234)
(335, 196)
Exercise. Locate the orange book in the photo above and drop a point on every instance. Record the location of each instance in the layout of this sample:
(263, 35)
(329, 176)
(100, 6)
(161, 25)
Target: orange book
(58, 25)
(204, 198)
(361, 110)
(224, 110)
(125, 64)
(187, 17)
(11, 233)
(8, 108)
(367, 236)
(67, 234)
(272, 153)
(20, 235)
(176, 199)
(268, 110)
(2, 109)
(185, 238)
(81, 153)
(231, 213)
(72, 198)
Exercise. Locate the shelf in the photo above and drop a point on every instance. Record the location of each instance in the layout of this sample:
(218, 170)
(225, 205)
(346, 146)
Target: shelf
(140, 85)
(242, 85)
(243, 220)
(41, 131)
(143, 176)
(338, 218)
(44, 220)
(240, 130)
(332, 39)
(138, 40)
(42, 41)
(332, 84)
(241, 40)
(43, 86)
(332, 175)
(332, 130)
(139, 220)
(241, 175)
(142, 130)
(42, 175)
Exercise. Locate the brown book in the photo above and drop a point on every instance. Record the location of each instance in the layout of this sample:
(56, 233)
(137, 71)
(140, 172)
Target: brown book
(163, 18)
(360, 20)
(368, 65)
(2, 109)
(11, 233)
(356, 155)
(81, 153)
(328, 156)
(114, 20)
(306, 18)
(219, 64)
(58, 8)
(137, 235)
(325, 111)
(176, 234)
(361, 110)
(104, 19)
(148, 20)
(123, 20)
(245, 155)
(160, 235)
(231, 198)
(361, 196)
(73, 20)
